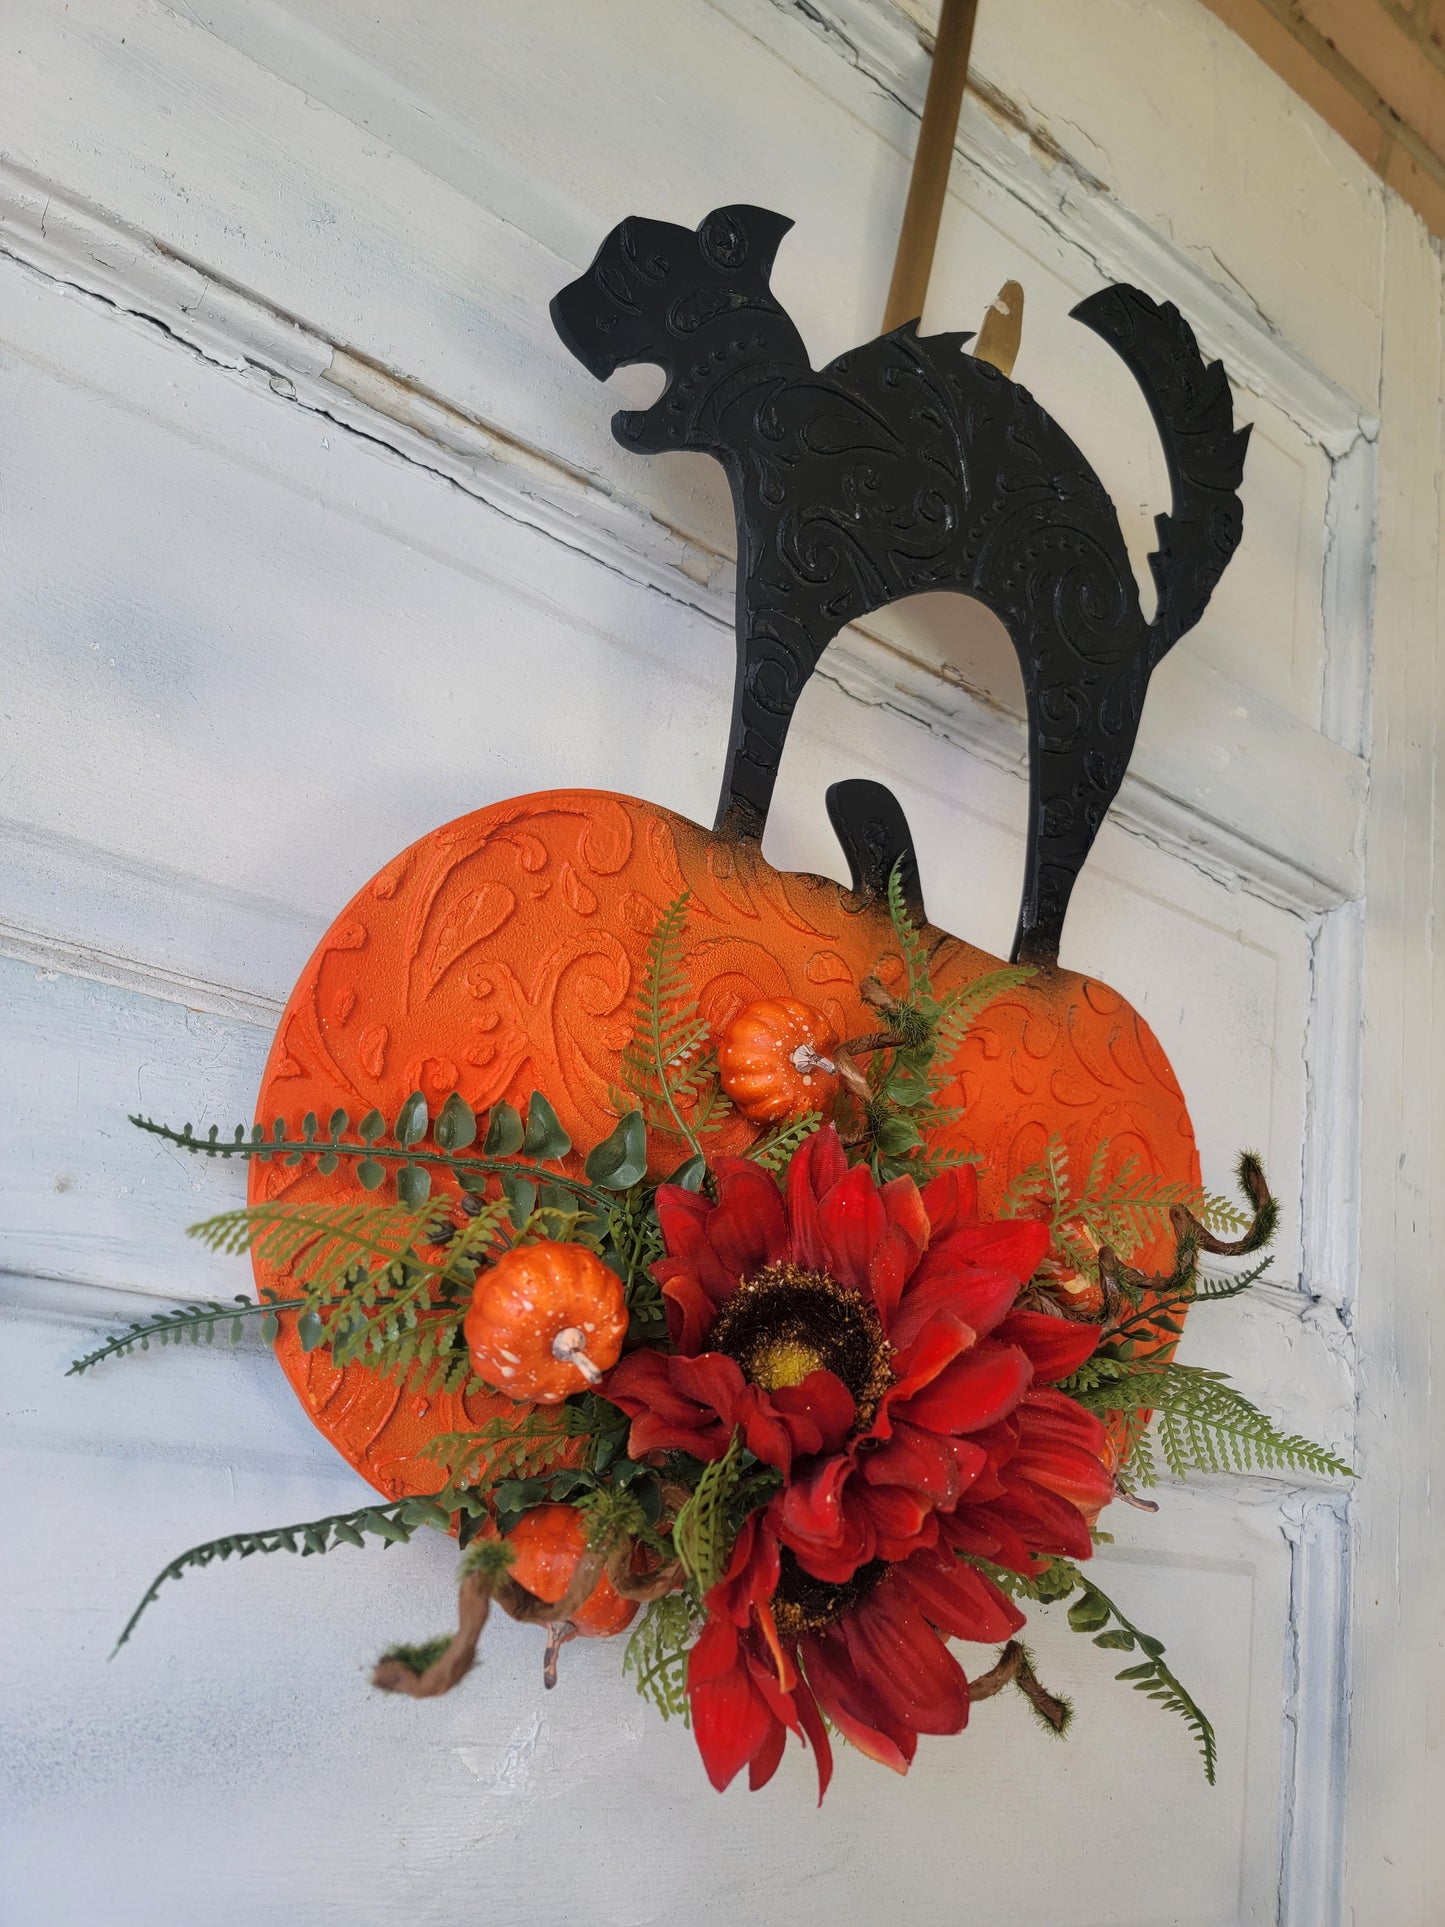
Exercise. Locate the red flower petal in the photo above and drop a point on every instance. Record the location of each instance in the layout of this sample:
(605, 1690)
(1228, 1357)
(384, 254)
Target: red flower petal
(1057, 1346)
(1068, 1470)
(849, 1705)
(811, 1507)
(751, 1577)
(764, 1763)
(819, 1413)
(918, 1364)
(904, 1205)
(897, 1521)
(890, 1265)
(957, 1598)
(830, 1539)
(1046, 1522)
(682, 1216)
(690, 1312)
(712, 1378)
(900, 1659)
(976, 1298)
(1048, 1414)
(951, 1199)
(979, 1529)
(929, 1463)
(976, 1390)
(851, 1220)
(817, 1167)
(676, 1404)
(747, 1228)
(731, 1721)
(817, 1734)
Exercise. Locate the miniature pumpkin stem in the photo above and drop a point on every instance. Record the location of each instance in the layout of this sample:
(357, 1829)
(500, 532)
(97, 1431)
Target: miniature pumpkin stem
(569, 1347)
(1121, 1491)
(558, 1633)
(805, 1059)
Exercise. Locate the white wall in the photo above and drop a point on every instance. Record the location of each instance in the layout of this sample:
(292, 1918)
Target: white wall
(313, 537)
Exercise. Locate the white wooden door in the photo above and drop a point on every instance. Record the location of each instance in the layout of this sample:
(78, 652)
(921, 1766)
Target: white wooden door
(312, 538)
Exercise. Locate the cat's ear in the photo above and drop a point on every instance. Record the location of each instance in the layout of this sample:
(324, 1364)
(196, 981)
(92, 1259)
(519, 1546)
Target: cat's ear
(743, 240)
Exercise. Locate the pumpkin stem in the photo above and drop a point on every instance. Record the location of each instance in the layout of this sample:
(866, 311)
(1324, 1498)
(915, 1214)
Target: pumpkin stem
(569, 1347)
(558, 1633)
(1121, 1491)
(806, 1059)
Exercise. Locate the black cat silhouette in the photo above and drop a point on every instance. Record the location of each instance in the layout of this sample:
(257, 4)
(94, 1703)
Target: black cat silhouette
(906, 465)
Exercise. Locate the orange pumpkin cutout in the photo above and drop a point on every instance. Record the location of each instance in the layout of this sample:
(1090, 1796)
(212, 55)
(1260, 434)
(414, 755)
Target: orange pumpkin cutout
(501, 954)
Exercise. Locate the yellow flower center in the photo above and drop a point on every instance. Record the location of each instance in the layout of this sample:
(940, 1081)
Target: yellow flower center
(786, 1323)
(784, 1361)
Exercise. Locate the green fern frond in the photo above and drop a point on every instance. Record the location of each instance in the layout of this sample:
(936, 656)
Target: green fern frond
(1123, 1211)
(775, 1149)
(198, 1322)
(500, 1448)
(667, 1066)
(377, 1151)
(962, 1006)
(1209, 1289)
(392, 1523)
(323, 1242)
(1092, 1612)
(703, 1532)
(1026, 1187)
(1203, 1424)
(656, 1654)
(910, 943)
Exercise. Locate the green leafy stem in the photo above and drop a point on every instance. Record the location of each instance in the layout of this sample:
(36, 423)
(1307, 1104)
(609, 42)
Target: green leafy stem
(392, 1523)
(1092, 1612)
(198, 1322)
(616, 1164)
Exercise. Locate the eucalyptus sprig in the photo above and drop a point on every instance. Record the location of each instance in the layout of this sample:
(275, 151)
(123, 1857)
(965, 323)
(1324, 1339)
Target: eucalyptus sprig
(376, 1150)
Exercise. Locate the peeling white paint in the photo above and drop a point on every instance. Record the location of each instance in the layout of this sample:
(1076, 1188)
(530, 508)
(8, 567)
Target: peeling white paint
(288, 436)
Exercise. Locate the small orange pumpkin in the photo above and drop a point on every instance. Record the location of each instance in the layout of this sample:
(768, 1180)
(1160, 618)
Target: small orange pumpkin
(774, 1060)
(548, 1541)
(546, 1320)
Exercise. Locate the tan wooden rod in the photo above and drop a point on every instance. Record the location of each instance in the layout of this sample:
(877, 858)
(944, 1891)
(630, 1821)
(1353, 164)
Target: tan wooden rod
(931, 163)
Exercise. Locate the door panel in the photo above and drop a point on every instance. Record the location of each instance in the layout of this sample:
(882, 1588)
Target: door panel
(314, 539)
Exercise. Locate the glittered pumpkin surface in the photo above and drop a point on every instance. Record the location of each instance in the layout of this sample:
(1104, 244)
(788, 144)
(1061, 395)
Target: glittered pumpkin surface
(501, 955)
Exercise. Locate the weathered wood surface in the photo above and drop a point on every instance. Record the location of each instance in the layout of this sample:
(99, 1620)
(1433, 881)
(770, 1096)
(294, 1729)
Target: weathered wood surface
(313, 537)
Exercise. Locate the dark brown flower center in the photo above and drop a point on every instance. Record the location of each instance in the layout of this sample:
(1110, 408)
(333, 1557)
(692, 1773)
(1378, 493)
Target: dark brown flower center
(802, 1603)
(787, 1322)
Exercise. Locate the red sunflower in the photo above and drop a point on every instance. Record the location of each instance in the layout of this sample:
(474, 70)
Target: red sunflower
(779, 1648)
(862, 1339)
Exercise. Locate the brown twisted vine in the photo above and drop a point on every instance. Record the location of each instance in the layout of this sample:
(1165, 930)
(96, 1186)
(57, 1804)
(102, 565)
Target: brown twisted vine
(1014, 1667)
(1123, 1286)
